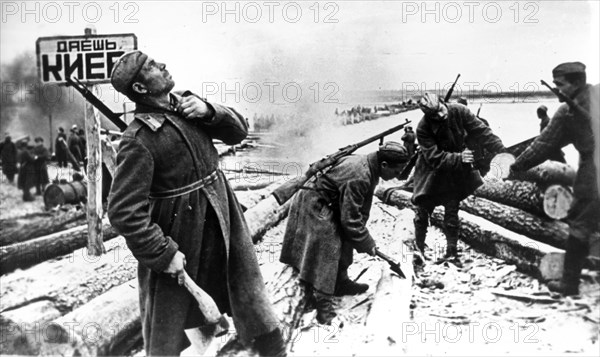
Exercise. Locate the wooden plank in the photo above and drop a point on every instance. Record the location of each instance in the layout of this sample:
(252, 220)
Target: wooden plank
(94, 179)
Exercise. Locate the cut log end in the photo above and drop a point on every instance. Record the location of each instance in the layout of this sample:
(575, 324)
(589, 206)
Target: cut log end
(557, 201)
(500, 166)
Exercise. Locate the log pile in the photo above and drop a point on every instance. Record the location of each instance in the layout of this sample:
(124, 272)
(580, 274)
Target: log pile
(530, 256)
(20, 229)
(112, 312)
(544, 190)
(528, 233)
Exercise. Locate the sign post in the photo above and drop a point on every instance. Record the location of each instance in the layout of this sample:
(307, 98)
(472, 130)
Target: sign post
(89, 58)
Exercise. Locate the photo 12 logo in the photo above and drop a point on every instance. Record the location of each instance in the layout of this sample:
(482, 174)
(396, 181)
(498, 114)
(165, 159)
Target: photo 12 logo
(69, 11)
(269, 11)
(470, 11)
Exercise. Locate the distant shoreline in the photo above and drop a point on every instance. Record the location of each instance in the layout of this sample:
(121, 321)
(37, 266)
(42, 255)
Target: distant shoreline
(387, 96)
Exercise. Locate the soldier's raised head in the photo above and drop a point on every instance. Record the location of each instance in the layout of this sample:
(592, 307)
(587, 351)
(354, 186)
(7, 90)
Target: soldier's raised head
(137, 75)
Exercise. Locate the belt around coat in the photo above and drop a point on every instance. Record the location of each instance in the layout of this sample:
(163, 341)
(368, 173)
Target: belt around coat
(176, 192)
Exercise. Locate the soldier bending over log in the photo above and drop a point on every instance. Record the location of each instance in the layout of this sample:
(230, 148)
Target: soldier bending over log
(575, 123)
(327, 220)
(444, 174)
(176, 210)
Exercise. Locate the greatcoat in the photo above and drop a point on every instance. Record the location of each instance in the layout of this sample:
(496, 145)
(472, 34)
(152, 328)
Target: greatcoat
(328, 218)
(440, 175)
(161, 152)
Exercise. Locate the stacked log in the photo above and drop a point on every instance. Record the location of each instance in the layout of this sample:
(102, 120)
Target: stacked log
(538, 259)
(33, 251)
(36, 225)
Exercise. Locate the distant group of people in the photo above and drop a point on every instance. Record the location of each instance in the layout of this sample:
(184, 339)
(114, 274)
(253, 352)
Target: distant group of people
(30, 162)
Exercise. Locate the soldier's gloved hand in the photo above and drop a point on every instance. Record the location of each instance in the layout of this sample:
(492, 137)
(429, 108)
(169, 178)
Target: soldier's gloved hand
(176, 267)
(192, 107)
(467, 156)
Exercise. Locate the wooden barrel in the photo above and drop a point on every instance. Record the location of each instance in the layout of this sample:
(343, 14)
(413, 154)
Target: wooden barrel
(63, 193)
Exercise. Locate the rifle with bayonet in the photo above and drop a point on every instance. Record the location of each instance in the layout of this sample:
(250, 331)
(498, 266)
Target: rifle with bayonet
(413, 160)
(288, 189)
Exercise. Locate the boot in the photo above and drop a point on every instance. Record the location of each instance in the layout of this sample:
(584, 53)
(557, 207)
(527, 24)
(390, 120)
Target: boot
(27, 197)
(576, 252)
(270, 344)
(325, 308)
(345, 286)
(420, 234)
(451, 244)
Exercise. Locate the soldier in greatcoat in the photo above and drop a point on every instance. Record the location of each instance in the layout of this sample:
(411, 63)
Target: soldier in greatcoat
(444, 172)
(327, 220)
(177, 211)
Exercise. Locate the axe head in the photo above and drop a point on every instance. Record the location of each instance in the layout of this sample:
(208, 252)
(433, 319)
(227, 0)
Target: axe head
(395, 267)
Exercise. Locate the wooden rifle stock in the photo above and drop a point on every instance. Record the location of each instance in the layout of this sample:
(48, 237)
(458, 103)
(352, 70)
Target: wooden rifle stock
(288, 189)
(97, 103)
(576, 107)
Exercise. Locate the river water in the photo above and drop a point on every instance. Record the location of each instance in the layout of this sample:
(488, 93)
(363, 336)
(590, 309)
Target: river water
(291, 152)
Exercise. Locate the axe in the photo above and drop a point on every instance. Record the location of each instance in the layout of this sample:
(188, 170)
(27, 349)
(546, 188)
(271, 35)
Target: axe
(394, 265)
(207, 306)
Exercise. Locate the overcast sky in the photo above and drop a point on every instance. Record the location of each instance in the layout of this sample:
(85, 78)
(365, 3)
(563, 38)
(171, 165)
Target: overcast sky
(358, 45)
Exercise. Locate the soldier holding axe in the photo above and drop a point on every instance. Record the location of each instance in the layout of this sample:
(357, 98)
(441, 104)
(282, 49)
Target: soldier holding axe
(178, 214)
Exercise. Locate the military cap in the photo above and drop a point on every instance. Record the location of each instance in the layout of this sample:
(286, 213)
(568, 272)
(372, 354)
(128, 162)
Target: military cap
(126, 69)
(567, 68)
(430, 104)
(393, 152)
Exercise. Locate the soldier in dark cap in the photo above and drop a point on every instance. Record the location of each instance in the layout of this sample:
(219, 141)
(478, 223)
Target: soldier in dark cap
(409, 138)
(328, 220)
(444, 172)
(177, 211)
(570, 126)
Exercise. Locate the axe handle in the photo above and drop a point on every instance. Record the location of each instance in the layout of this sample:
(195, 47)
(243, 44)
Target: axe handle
(205, 302)
(385, 257)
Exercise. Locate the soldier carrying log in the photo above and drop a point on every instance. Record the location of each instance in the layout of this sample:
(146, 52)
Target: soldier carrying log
(444, 174)
(577, 122)
(177, 211)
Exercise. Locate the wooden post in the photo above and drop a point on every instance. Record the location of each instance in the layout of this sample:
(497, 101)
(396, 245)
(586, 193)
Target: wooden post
(94, 173)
